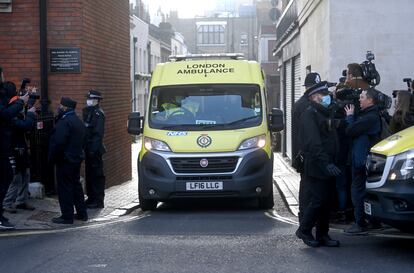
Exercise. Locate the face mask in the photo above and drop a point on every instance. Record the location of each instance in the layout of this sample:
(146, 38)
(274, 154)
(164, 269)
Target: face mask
(326, 101)
(91, 102)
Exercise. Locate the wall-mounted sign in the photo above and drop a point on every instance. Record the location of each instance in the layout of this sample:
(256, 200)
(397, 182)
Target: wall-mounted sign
(65, 60)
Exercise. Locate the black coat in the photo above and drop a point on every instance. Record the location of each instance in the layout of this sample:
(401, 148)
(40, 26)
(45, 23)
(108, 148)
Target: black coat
(94, 120)
(318, 140)
(298, 108)
(7, 113)
(67, 140)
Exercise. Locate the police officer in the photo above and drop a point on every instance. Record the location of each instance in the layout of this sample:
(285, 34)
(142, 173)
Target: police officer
(10, 107)
(299, 107)
(66, 152)
(319, 146)
(94, 119)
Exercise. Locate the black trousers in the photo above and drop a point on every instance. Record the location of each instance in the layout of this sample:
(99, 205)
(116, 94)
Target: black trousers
(6, 177)
(70, 190)
(317, 211)
(95, 178)
(304, 196)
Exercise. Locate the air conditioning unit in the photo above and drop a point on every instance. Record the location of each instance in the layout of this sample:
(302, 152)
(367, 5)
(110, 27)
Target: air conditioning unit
(6, 5)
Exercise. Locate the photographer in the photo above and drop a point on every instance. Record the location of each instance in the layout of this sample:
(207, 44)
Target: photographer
(364, 130)
(354, 77)
(10, 107)
(18, 192)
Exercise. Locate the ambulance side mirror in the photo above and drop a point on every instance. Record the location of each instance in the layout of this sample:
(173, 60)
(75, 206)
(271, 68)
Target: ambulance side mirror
(276, 123)
(135, 123)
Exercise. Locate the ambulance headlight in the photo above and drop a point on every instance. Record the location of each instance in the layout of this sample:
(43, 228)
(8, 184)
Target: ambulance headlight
(254, 142)
(402, 167)
(155, 145)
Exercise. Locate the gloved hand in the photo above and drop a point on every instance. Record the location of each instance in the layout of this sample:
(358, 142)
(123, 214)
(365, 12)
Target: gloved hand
(332, 170)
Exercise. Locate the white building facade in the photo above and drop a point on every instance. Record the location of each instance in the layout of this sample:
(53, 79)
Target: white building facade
(325, 35)
(140, 74)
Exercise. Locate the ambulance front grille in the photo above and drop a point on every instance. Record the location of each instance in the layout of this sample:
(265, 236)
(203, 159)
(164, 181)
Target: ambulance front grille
(215, 164)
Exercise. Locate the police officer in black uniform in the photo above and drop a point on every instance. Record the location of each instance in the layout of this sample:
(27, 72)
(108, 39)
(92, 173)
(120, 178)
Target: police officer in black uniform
(66, 151)
(94, 119)
(318, 142)
(10, 107)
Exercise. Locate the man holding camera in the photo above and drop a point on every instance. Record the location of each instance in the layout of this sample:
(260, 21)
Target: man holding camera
(318, 142)
(354, 78)
(364, 130)
(66, 152)
(10, 106)
(94, 120)
(18, 192)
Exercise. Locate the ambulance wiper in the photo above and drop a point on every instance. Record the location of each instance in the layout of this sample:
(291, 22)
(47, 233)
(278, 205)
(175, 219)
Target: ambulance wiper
(242, 120)
(174, 127)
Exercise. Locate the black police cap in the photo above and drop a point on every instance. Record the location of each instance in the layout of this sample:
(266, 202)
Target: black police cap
(68, 102)
(94, 94)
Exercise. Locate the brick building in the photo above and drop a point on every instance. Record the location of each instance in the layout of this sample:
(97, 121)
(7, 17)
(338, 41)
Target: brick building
(98, 31)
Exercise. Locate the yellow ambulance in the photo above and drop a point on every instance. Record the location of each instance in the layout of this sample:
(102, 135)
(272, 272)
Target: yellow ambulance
(206, 132)
(390, 182)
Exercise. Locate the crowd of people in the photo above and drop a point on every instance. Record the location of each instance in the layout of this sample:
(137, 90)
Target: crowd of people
(72, 141)
(330, 148)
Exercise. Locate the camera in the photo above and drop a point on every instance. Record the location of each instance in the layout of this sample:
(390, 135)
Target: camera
(33, 96)
(22, 90)
(369, 72)
(409, 82)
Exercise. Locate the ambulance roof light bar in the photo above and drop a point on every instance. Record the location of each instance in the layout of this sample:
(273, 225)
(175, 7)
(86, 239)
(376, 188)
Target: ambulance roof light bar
(233, 56)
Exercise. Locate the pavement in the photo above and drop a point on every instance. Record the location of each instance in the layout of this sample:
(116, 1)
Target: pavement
(122, 199)
(287, 181)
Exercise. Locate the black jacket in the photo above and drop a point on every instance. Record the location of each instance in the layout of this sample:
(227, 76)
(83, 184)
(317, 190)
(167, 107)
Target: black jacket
(94, 120)
(318, 140)
(364, 130)
(67, 140)
(298, 108)
(7, 113)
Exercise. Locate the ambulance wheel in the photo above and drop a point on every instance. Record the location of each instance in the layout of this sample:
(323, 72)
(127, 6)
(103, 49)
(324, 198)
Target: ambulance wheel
(267, 202)
(146, 204)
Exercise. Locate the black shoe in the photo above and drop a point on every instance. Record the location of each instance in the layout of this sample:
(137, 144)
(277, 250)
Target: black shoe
(308, 239)
(327, 241)
(25, 206)
(5, 225)
(95, 206)
(60, 220)
(81, 217)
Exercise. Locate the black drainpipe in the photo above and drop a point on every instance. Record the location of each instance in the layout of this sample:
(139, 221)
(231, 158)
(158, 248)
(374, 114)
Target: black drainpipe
(43, 56)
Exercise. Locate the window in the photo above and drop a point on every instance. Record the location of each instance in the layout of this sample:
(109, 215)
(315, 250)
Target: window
(243, 39)
(210, 34)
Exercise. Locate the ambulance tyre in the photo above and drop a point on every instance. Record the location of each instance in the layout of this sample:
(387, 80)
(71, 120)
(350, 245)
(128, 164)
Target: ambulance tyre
(267, 202)
(146, 204)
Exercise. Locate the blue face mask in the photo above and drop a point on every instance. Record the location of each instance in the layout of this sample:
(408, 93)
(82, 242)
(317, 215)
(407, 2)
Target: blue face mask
(326, 100)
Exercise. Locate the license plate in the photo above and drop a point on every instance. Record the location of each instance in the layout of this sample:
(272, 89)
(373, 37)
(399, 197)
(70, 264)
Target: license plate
(367, 208)
(204, 186)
